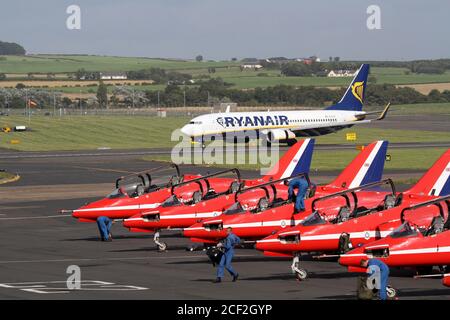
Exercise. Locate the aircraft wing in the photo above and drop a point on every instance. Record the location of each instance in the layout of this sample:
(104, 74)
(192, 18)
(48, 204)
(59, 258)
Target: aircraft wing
(321, 129)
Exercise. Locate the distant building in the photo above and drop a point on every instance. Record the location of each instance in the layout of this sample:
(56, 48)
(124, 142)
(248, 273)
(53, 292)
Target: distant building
(309, 60)
(341, 73)
(113, 76)
(255, 66)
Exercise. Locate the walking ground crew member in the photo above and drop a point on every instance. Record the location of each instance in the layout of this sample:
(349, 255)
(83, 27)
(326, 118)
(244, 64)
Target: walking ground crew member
(225, 262)
(302, 185)
(104, 226)
(372, 265)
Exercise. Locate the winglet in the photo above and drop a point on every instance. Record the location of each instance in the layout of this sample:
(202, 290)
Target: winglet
(385, 111)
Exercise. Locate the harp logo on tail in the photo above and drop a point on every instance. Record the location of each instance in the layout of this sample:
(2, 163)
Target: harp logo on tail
(358, 90)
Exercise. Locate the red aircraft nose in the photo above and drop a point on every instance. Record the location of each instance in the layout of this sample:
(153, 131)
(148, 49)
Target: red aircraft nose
(207, 229)
(353, 258)
(133, 222)
(268, 244)
(194, 231)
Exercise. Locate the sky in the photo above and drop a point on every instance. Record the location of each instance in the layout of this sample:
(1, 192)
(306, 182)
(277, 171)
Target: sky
(221, 30)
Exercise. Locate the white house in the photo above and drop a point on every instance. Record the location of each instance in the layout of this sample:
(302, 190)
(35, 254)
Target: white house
(113, 76)
(341, 73)
(255, 66)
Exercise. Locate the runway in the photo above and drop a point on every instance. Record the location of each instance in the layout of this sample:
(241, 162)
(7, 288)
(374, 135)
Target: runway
(38, 245)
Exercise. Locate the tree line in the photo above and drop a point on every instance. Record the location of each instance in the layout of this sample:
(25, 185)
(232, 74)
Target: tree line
(216, 90)
(11, 48)
(300, 69)
(213, 91)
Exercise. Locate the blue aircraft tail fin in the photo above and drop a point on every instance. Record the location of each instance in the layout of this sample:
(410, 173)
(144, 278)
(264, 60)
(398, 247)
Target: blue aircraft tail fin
(354, 95)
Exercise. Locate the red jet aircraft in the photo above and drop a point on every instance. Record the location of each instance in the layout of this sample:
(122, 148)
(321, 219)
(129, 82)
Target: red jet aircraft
(253, 224)
(176, 214)
(319, 234)
(135, 193)
(410, 245)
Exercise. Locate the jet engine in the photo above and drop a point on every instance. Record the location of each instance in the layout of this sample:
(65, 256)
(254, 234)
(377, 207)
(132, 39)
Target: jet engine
(280, 135)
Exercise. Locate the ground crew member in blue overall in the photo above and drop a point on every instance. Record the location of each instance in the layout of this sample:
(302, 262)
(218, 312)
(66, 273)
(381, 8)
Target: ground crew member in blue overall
(373, 265)
(225, 262)
(302, 185)
(104, 226)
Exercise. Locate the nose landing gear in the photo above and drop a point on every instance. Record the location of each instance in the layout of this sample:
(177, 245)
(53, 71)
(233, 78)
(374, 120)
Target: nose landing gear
(300, 273)
(162, 246)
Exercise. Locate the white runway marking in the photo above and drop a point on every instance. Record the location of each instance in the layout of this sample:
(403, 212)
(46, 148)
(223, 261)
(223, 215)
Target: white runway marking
(39, 217)
(45, 287)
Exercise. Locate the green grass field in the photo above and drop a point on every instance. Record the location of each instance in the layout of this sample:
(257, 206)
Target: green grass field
(422, 108)
(71, 63)
(130, 132)
(90, 132)
(327, 160)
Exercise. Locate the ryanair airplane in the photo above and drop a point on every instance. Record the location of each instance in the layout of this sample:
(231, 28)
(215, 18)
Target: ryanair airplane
(285, 126)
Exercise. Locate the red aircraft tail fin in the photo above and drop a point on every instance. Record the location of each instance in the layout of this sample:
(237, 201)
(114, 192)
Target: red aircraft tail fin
(436, 181)
(367, 167)
(296, 160)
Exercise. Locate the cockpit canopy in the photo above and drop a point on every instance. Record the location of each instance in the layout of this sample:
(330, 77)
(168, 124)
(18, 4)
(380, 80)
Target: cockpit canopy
(403, 231)
(313, 219)
(116, 194)
(236, 208)
(172, 201)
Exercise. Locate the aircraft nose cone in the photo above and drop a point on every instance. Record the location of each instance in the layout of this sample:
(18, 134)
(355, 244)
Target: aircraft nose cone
(186, 130)
(131, 223)
(193, 231)
(260, 246)
(126, 223)
(351, 260)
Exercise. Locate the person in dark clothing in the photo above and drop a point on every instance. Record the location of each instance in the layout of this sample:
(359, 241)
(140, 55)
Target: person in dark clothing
(302, 185)
(373, 265)
(225, 262)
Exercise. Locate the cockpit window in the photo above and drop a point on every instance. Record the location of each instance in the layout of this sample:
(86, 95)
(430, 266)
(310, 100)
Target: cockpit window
(195, 122)
(236, 208)
(116, 194)
(313, 219)
(171, 202)
(405, 230)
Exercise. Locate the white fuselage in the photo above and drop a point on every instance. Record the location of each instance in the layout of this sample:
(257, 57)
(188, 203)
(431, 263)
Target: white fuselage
(265, 122)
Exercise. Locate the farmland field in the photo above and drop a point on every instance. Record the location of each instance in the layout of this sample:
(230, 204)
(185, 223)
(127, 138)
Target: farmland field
(15, 66)
(71, 63)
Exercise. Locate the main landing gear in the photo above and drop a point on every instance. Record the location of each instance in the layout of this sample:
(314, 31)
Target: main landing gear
(162, 246)
(300, 273)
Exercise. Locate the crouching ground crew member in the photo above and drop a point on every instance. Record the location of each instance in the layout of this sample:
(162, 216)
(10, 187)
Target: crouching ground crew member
(104, 227)
(375, 266)
(225, 262)
(302, 185)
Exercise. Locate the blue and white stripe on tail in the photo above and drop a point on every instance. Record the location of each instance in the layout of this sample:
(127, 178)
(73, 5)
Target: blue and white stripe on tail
(296, 160)
(367, 167)
(436, 181)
